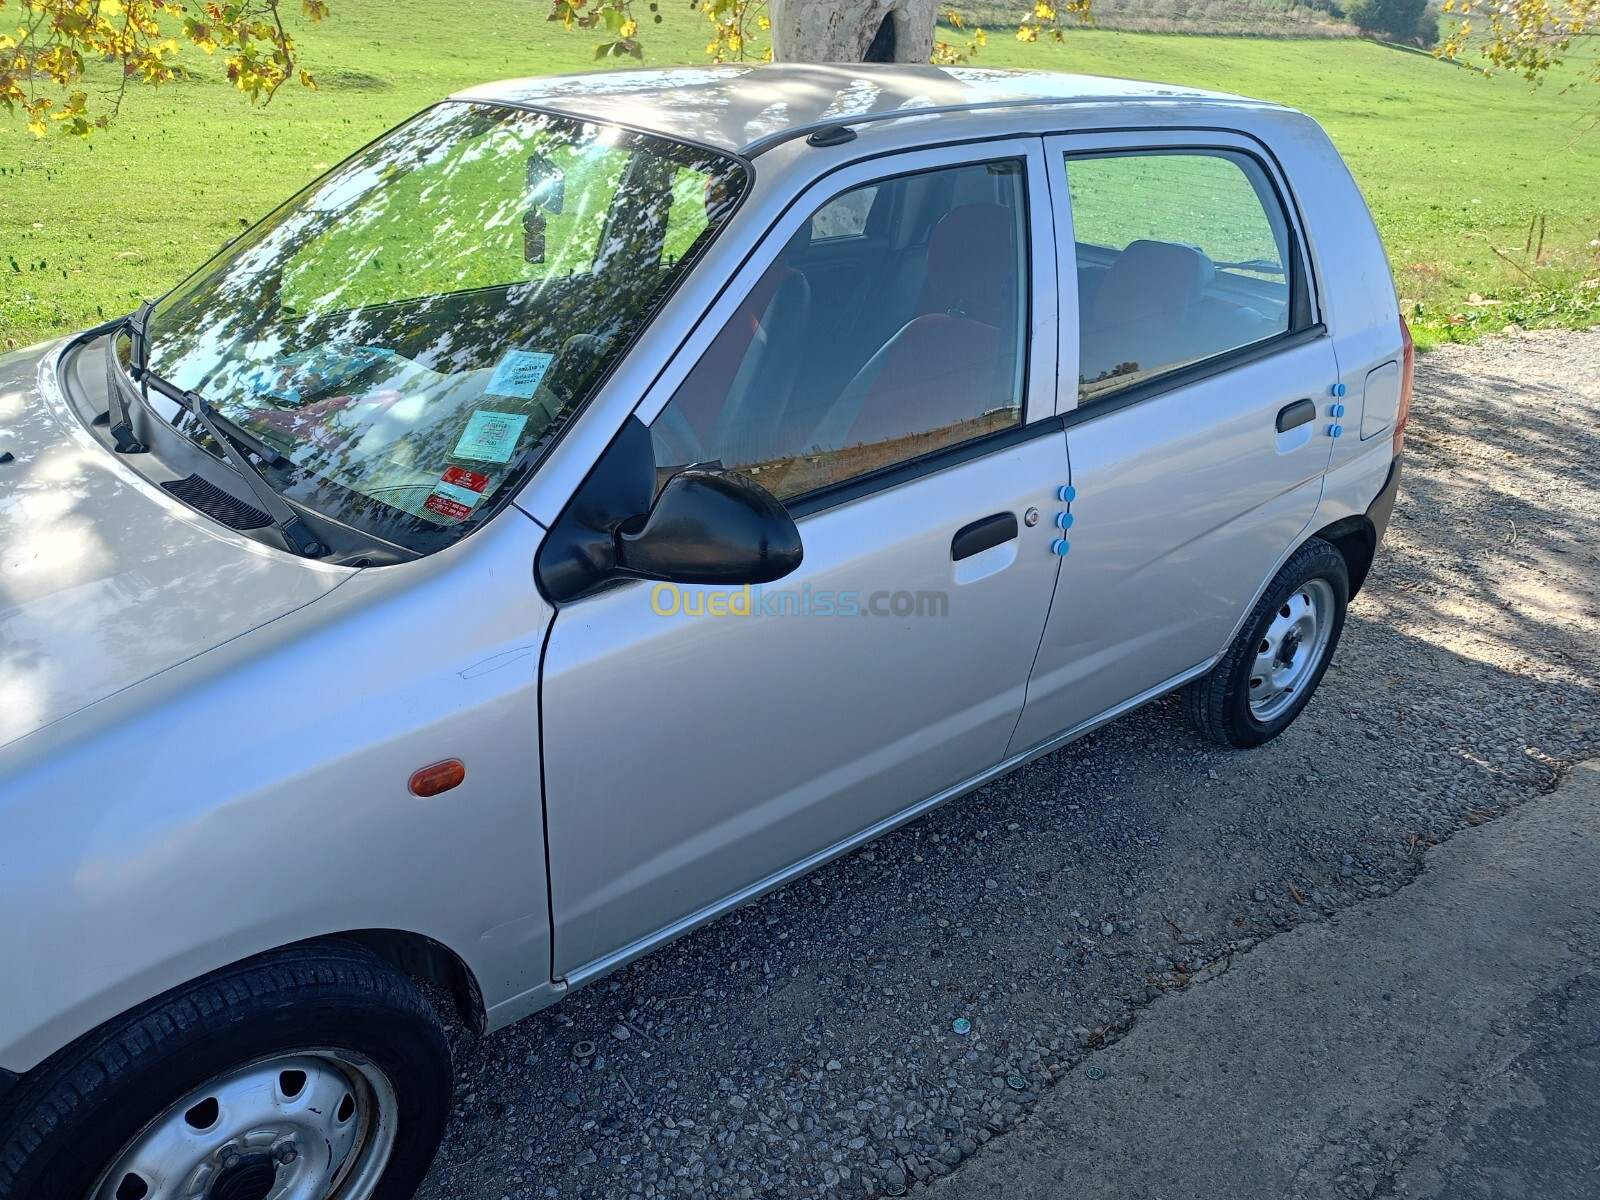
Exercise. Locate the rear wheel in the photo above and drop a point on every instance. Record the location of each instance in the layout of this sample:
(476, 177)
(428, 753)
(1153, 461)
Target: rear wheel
(1267, 676)
(313, 1073)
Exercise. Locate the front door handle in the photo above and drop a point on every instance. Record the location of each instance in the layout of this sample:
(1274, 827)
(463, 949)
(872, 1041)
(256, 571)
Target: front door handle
(983, 535)
(1292, 416)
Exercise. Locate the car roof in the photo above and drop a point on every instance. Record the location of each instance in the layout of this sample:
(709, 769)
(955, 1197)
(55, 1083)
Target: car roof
(746, 108)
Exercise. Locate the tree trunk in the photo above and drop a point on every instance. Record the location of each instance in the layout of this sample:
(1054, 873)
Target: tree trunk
(853, 30)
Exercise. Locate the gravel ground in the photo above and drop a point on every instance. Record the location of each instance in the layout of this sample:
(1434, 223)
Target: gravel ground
(808, 1045)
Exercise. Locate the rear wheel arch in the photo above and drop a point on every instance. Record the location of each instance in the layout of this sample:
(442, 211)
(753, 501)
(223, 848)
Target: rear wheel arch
(1234, 703)
(1356, 538)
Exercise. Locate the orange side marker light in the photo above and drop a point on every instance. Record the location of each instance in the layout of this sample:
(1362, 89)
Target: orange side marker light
(440, 777)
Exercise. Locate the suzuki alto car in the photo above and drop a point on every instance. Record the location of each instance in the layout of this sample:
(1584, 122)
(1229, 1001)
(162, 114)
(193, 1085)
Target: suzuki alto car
(599, 501)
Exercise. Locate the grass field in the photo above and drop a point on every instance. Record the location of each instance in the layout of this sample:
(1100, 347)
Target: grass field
(1457, 168)
(1245, 18)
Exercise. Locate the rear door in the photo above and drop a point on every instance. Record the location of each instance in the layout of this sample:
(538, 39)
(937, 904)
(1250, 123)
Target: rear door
(1199, 436)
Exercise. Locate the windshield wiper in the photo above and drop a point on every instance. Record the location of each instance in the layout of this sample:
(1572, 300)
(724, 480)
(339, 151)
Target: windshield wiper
(237, 434)
(139, 369)
(236, 443)
(117, 412)
(237, 446)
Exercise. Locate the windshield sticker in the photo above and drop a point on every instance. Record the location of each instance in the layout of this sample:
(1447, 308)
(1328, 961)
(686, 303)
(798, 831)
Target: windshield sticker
(457, 493)
(490, 436)
(518, 374)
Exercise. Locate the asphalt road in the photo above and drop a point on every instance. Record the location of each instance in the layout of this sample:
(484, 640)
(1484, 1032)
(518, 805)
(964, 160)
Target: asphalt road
(1442, 1043)
(806, 1046)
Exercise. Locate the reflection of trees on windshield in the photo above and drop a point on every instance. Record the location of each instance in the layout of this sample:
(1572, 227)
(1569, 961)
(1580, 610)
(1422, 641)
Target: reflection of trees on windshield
(476, 270)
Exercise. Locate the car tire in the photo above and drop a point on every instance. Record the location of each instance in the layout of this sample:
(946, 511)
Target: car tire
(1266, 677)
(319, 1066)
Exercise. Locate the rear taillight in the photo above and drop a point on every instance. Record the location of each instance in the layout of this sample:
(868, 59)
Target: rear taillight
(1407, 365)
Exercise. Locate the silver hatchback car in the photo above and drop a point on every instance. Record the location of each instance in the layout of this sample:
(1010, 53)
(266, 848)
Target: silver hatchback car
(596, 503)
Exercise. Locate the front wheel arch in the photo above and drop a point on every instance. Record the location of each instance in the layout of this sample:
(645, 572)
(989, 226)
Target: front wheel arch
(81, 1113)
(426, 960)
(421, 958)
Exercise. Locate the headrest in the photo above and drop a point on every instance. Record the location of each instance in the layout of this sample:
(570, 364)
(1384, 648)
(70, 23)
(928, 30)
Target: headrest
(1152, 279)
(971, 263)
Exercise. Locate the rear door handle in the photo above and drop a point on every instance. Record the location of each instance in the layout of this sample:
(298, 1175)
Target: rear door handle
(1292, 416)
(983, 535)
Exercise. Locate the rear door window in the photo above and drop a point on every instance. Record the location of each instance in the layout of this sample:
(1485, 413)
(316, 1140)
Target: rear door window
(1182, 256)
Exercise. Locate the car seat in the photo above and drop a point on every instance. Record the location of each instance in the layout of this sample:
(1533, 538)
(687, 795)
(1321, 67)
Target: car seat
(941, 367)
(1140, 308)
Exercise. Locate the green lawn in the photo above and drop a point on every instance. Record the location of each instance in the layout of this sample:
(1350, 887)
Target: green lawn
(1456, 167)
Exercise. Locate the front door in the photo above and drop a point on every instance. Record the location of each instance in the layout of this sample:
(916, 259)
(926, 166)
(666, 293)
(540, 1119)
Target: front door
(1200, 435)
(699, 742)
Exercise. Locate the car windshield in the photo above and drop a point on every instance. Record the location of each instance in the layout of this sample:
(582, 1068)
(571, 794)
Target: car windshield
(412, 330)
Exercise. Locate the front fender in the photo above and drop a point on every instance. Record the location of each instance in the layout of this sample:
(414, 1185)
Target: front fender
(257, 795)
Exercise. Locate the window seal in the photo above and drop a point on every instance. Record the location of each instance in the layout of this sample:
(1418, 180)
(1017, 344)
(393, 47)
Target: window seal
(860, 486)
(1193, 373)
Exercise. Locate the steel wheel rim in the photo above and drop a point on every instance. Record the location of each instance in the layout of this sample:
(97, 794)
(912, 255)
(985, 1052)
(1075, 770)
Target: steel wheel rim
(302, 1125)
(1291, 649)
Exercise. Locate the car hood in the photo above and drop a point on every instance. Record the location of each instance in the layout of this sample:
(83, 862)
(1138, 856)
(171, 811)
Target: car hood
(105, 579)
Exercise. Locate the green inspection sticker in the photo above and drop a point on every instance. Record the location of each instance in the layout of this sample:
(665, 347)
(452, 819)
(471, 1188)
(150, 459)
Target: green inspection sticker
(519, 374)
(490, 436)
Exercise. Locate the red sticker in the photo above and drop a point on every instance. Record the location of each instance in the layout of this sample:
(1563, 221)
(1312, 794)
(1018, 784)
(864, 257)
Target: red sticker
(446, 507)
(470, 480)
(457, 493)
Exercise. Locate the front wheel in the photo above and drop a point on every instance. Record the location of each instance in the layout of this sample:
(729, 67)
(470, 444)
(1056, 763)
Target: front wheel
(316, 1072)
(1267, 675)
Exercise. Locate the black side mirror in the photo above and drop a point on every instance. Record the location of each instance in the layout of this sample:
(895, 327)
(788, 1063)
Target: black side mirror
(706, 526)
(711, 526)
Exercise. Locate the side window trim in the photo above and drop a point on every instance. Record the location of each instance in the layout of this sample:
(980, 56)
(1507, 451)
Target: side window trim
(1304, 308)
(1040, 323)
(846, 490)
(1191, 373)
(851, 489)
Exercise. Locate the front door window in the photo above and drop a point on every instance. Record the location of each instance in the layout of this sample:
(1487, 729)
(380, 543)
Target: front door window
(824, 375)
